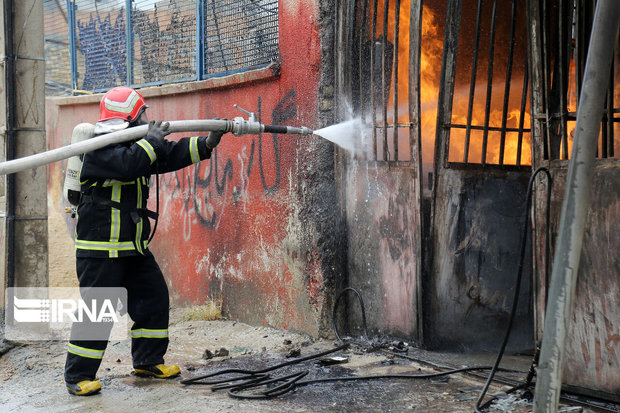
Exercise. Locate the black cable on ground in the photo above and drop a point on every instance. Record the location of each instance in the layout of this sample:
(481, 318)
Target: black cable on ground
(252, 379)
(196, 380)
(478, 407)
(293, 381)
(335, 312)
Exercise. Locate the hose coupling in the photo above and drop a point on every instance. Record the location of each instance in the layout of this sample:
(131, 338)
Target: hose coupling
(241, 127)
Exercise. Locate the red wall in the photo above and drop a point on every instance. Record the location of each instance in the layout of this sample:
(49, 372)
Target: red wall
(231, 225)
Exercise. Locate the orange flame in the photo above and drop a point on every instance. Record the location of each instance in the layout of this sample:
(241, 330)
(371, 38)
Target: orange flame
(430, 64)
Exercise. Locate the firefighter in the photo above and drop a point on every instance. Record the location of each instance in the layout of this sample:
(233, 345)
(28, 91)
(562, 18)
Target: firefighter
(112, 234)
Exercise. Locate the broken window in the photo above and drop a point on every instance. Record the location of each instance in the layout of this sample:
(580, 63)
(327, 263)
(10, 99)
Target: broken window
(566, 27)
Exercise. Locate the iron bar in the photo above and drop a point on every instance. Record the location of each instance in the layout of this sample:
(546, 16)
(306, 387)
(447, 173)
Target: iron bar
(348, 50)
(535, 58)
(482, 128)
(373, 40)
(398, 125)
(502, 142)
(361, 62)
(561, 68)
(487, 109)
(605, 130)
(546, 79)
(395, 75)
(472, 83)
(446, 87)
(415, 147)
(610, 106)
(522, 113)
(348, 22)
(386, 4)
(579, 44)
(415, 30)
(573, 115)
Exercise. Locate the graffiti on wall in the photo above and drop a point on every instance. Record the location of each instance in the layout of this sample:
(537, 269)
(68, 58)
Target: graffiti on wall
(166, 52)
(103, 45)
(164, 49)
(203, 189)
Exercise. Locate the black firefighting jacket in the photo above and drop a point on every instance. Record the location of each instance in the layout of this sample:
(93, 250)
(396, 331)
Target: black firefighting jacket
(112, 217)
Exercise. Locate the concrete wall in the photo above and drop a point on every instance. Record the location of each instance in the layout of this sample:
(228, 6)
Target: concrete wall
(24, 257)
(257, 223)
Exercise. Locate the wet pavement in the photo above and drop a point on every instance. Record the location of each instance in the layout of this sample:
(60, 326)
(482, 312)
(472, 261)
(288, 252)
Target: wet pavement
(31, 376)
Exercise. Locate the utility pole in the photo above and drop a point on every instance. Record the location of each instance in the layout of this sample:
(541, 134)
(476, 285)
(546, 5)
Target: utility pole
(23, 196)
(575, 206)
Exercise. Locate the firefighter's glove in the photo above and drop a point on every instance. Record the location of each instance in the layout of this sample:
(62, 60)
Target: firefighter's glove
(158, 130)
(214, 138)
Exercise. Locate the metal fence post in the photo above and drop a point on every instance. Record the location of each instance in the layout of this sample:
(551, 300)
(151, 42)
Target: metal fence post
(200, 33)
(129, 42)
(72, 44)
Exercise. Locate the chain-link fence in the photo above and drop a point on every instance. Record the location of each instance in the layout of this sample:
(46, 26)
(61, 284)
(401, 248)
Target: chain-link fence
(89, 47)
(57, 50)
(240, 34)
(164, 41)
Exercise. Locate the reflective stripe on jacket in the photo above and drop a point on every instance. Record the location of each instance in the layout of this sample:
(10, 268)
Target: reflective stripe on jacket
(112, 219)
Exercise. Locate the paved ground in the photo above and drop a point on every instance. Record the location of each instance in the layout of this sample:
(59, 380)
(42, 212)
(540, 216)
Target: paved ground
(31, 376)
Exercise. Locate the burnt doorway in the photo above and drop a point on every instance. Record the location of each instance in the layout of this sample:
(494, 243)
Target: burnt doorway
(377, 81)
(481, 169)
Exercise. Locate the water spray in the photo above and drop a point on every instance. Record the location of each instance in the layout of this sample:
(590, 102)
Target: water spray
(238, 126)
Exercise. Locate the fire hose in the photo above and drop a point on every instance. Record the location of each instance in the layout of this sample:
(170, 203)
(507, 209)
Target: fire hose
(238, 126)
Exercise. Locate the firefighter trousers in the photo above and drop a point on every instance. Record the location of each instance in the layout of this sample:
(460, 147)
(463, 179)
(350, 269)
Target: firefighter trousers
(147, 305)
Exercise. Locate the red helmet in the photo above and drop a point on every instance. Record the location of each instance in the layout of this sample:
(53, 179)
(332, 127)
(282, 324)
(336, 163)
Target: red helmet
(121, 103)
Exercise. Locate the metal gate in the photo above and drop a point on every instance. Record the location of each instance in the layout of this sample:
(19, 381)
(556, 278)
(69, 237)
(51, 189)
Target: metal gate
(559, 33)
(481, 169)
(377, 80)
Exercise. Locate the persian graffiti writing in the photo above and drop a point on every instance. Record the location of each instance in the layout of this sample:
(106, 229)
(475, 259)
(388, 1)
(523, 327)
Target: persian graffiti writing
(203, 188)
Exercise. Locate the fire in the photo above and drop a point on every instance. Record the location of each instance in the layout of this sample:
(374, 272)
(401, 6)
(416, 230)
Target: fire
(431, 56)
(459, 116)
